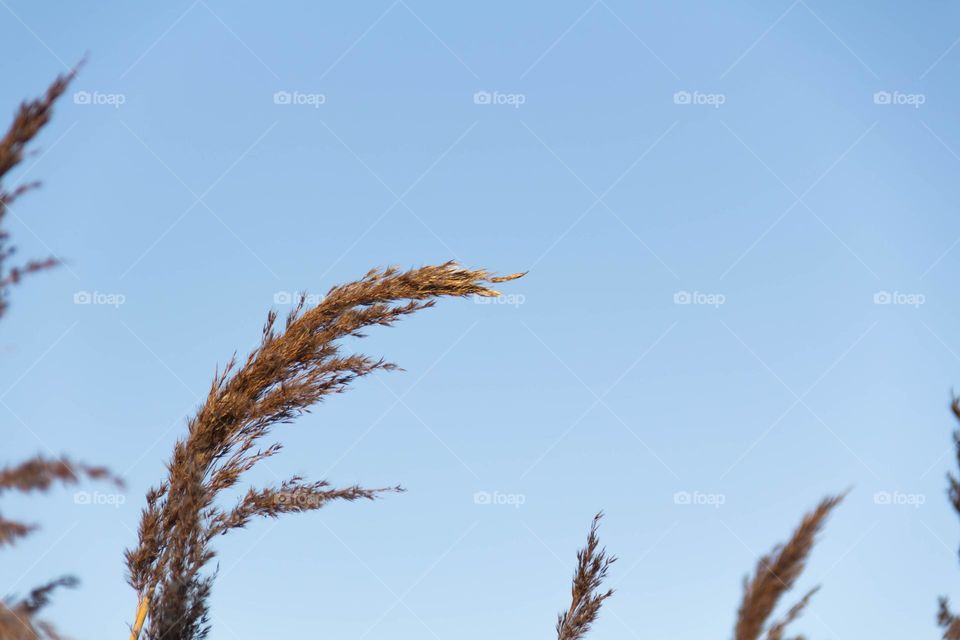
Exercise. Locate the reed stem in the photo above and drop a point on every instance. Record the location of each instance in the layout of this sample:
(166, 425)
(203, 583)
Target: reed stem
(141, 618)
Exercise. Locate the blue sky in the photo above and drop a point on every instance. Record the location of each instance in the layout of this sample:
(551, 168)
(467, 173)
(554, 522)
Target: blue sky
(740, 225)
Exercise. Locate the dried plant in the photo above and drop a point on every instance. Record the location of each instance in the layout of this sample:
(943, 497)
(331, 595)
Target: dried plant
(18, 616)
(776, 574)
(290, 371)
(778, 628)
(31, 117)
(18, 619)
(586, 598)
(38, 474)
(948, 621)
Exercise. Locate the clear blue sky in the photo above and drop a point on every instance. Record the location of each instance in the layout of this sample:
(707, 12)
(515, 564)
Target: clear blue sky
(781, 192)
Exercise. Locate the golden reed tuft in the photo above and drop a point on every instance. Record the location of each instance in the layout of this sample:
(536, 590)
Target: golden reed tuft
(287, 373)
(947, 620)
(775, 574)
(19, 616)
(30, 118)
(586, 598)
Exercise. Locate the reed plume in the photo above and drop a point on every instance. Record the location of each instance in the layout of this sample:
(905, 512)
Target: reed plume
(947, 620)
(586, 598)
(29, 120)
(38, 474)
(287, 373)
(776, 574)
(18, 620)
(19, 616)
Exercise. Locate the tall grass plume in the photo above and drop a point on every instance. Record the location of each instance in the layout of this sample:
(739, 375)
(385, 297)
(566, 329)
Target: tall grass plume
(291, 370)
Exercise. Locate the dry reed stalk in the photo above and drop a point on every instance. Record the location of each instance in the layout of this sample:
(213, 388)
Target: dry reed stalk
(776, 574)
(18, 621)
(18, 616)
(284, 376)
(31, 117)
(778, 628)
(585, 595)
(947, 620)
(38, 474)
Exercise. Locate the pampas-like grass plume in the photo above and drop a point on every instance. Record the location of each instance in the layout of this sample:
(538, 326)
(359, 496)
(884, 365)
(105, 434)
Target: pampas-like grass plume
(776, 574)
(38, 474)
(18, 616)
(18, 620)
(948, 621)
(29, 120)
(290, 371)
(586, 596)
